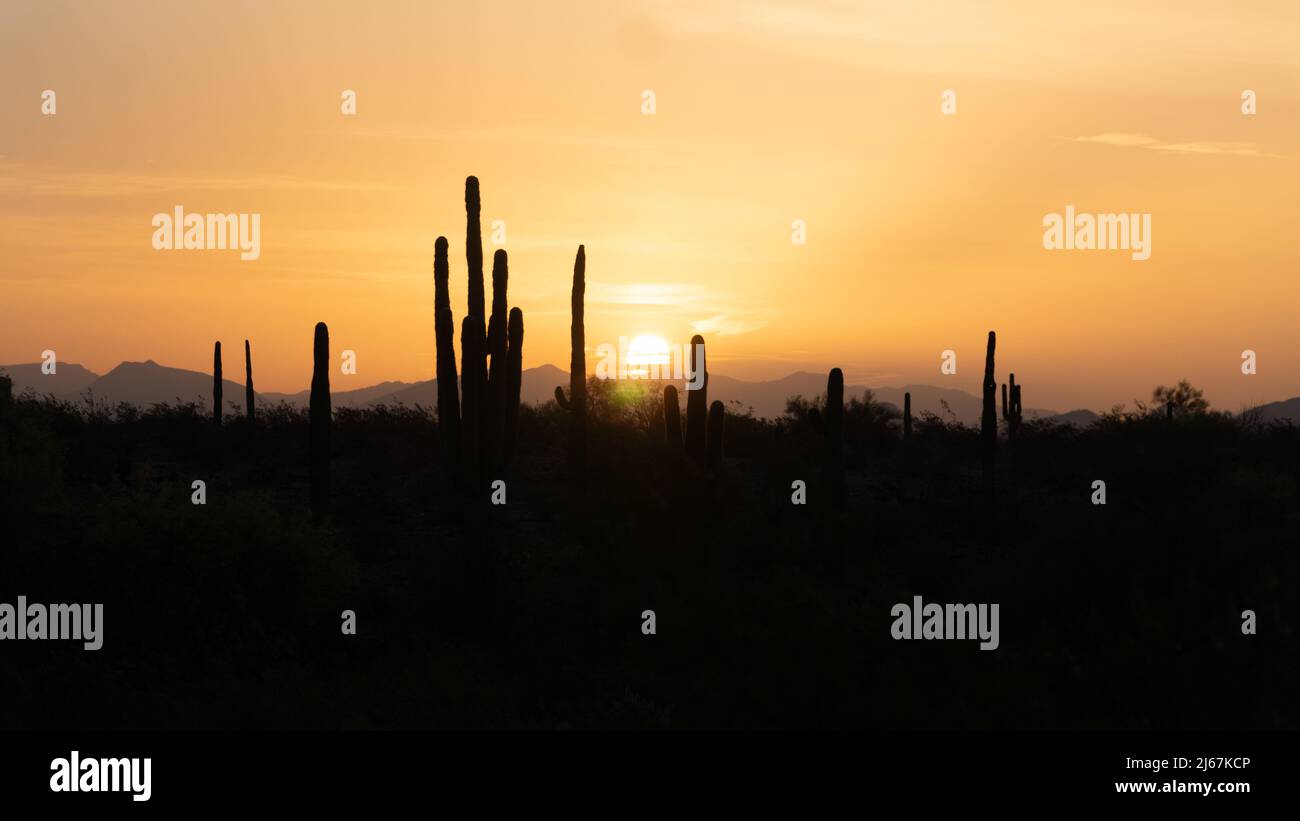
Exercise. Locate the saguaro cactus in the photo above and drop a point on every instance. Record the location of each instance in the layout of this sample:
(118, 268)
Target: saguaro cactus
(717, 415)
(697, 402)
(472, 384)
(989, 418)
(6, 397)
(496, 398)
(833, 427)
(249, 397)
(494, 404)
(474, 249)
(672, 420)
(907, 415)
(444, 333)
(514, 379)
(216, 383)
(576, 402)
(320, 416)
(1011, 412)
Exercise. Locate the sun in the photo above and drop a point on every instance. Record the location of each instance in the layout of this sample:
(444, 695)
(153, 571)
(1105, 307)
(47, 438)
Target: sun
(644, 351)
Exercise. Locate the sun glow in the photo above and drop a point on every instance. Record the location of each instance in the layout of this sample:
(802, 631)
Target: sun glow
(644, 351)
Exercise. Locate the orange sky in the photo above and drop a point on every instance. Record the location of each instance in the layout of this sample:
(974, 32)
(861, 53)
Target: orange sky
(924, 230)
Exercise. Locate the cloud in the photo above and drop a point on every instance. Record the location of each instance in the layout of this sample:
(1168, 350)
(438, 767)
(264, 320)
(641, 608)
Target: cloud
(65, 184)
(1235, 149)
(731, 324)
(649, 293)
(725, 315)
(1119, 139)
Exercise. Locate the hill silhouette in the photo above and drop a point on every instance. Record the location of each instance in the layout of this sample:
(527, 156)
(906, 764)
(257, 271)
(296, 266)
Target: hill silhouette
(68, 378)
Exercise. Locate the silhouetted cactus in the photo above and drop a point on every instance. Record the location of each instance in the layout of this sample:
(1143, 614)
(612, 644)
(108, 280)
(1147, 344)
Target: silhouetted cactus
(216, 383)
(444, 333)
(6, 398)
(576, 402)
(514, 380)
(717, 414)
(907, 416)
(473, 378)
(320, 418)
(989, 418)
(833, 428)
(249, 397)
(697, 402)
(672, 421)
(494, 398)
(1011, 413)
(474, 249)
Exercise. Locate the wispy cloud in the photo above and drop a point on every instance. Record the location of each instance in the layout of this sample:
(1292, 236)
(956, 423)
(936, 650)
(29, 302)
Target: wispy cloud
(68, 184)
(649, 293)
(1123, 140)
(724, 314)
(732, 324)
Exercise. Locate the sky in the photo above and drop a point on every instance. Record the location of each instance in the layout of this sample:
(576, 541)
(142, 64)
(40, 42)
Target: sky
(924, 229)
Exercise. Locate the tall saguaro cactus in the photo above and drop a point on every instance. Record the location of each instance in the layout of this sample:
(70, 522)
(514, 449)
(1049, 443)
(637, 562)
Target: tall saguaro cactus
(697, 402)
(478, 430)
(472, 384)
(717, 415)
(514, 380)
(672, 420)
(444, 333)
(907, 415)
(494, 404)
(474, 249)
(319, 414)
(576, 402)
(249, 396)
(833, 421)
(989, 418)
(216, 383)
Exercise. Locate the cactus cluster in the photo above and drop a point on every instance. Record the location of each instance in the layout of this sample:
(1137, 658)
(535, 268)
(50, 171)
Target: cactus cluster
(1011, 409)
(705, 423)
(477, 423)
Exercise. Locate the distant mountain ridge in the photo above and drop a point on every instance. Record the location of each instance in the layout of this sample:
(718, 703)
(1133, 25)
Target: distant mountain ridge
(68, 378)
(147, 383)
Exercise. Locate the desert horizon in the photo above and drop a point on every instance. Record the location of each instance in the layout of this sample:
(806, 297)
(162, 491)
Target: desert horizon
(765, 398)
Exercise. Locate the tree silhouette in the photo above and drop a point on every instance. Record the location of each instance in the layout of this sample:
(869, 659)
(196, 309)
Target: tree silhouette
(1181, 400)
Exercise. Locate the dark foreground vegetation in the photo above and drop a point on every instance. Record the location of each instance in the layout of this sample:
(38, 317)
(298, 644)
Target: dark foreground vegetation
(529, 614)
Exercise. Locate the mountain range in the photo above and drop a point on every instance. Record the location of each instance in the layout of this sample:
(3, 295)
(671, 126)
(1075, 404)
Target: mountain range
(148, 383)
